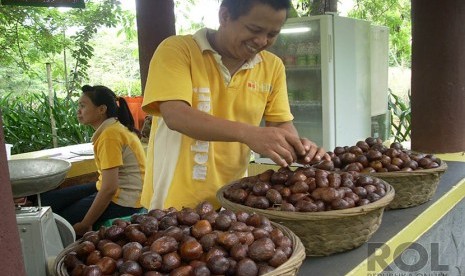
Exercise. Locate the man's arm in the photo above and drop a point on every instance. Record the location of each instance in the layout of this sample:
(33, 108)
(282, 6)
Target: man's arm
(280, 143)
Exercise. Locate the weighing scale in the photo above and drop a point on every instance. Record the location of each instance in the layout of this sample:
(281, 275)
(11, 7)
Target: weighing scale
(43, 234)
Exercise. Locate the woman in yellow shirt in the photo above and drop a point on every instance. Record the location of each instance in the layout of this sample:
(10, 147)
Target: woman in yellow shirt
(120, 160)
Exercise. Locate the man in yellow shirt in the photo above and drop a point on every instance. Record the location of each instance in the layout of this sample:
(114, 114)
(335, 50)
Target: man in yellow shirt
(210, 92)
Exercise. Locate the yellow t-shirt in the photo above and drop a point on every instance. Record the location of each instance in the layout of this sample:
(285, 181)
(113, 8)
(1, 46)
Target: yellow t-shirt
(181, 171)
(116, 146)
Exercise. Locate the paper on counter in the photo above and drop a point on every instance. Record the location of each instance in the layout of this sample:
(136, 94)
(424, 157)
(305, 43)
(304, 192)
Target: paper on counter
(88, 151)
(81, 158)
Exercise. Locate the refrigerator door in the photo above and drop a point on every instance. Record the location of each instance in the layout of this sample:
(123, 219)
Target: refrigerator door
(305, 46)
(379, 69)
(380, 117)
(327, 59)
(352, 80)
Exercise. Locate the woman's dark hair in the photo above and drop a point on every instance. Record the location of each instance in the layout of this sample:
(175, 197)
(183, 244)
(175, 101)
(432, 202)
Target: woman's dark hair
(102, 95)
(238, 8)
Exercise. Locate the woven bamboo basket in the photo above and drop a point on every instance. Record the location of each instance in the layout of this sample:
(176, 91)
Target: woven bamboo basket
(59, 268)
(329, 232)
(412, 188)
(289, 268)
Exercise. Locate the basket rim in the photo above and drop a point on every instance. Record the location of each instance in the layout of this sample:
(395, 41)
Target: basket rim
(58, 264)
(298, 252)
(441, 169)
(287, 215)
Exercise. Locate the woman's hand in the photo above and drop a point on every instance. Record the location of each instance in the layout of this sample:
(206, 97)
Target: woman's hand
(81, 228)
(101, 201)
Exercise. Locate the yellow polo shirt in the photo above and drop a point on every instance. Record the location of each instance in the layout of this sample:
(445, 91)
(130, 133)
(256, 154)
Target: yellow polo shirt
(116, 146)
(181, 171)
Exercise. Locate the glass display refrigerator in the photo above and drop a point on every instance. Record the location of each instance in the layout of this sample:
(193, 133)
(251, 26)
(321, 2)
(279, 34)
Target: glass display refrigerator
(328, 71)
(380, 115)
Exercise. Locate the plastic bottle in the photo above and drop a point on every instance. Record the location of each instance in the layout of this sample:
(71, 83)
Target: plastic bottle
(317, 52)
(374, 129)
(301, 53)
(310, 51)
(289, 55)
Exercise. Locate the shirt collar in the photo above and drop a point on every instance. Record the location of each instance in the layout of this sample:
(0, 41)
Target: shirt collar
(201, 38)
(104, 125)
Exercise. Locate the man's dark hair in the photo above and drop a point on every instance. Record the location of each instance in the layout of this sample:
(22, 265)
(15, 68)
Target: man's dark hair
(238, 8)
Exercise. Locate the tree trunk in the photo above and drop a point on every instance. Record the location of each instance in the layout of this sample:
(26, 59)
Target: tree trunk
(438, 85)
(155, 22)
(323, 6)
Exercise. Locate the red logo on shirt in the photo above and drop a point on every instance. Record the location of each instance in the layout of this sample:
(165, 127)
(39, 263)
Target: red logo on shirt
(259, 87)
(251, 85)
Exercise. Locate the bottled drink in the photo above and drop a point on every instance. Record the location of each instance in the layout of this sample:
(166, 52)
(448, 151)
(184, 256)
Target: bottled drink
(310, 51)
(317, 52)
(301, 53)
(289, 55)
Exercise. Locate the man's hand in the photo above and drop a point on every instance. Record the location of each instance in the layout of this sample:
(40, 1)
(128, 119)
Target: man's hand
(281, 145)
(313, 153)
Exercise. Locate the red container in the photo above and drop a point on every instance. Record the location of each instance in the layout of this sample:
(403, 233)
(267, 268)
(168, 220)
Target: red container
(135, 105)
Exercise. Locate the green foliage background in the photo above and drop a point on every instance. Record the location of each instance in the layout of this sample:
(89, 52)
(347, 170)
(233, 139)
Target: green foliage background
(34, 36)
(401, 117)
(68, 39)
(26, 120)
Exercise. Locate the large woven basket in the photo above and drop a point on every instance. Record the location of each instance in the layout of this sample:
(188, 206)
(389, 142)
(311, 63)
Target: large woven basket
(289, 268)
(412, 188)
(328, 232)
(59, 268)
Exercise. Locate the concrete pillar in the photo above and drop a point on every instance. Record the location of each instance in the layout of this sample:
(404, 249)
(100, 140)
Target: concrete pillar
(155, 22)
(11, 260)
(438, 76)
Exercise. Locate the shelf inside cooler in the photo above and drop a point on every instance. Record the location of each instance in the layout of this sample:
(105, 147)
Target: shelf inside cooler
(302, 68)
